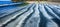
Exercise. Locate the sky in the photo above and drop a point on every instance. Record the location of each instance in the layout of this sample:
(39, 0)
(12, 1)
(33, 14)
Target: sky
(5, 0)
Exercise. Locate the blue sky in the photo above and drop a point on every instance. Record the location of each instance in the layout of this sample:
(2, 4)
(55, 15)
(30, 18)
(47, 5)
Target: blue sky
(5, 0)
